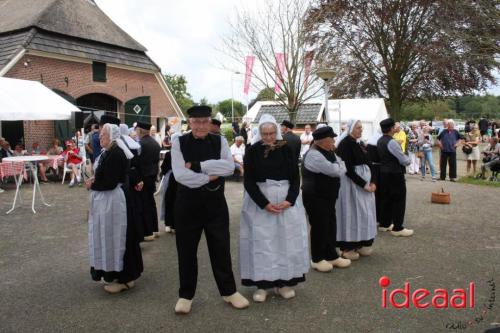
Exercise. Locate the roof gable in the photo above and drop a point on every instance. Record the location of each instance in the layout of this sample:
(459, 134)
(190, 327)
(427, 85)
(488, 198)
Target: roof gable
(76, 18)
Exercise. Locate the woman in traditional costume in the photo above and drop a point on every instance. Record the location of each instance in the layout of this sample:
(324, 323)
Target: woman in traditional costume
(273, 248)
(115, 254)
(356, 212)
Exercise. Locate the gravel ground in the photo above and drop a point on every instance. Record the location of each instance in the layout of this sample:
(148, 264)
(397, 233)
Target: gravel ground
(45, 284)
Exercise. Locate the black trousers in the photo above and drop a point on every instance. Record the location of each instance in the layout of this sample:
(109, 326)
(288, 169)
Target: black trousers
(149, 206)
(197, 211)
(392, 192)
(350, 246)
(323, 221)
(451, 160)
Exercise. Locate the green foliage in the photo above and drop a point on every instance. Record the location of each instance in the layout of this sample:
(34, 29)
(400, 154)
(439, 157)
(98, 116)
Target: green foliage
(178, 87)
(266, 94)
(224, 107)
(463, 107)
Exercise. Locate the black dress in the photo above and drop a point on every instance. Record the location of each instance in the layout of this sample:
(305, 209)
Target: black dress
(114, 169)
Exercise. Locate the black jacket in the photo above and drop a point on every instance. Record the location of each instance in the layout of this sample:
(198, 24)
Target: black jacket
(150, 157)
(293, 141)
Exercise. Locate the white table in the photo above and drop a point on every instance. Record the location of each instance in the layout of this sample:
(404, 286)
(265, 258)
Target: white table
(32, 162)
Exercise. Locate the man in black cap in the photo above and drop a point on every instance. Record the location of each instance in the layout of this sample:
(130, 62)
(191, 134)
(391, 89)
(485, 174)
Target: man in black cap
(215, 126)
(392, 187)
(200, 160)
(291, 139)
(320, 188)
(148, 166)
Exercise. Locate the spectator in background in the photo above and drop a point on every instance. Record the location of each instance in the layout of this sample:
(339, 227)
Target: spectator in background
(215, 126)
(154, 134)
(55, 148)
(5, 150)
(445, 126)
(472, 139)
(236, 129)
(35, 148)
(306, 139)
(291, 139)
(88, 141)
(400, 136)
(491, 156)
(73, 161)
(448, 140)
(19, 150)
(238, 152)
(483, 127)
(167, 140)
(425, 143)
(413, 149)
(245, 128)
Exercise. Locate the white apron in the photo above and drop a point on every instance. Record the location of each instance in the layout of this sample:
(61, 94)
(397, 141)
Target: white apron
(273, 247)
(107, 229)
(356, 212)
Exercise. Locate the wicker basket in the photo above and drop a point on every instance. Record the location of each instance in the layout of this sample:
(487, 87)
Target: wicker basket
(441, 197)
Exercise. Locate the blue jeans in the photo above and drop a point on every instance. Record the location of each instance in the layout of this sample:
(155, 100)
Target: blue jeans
(428, 158)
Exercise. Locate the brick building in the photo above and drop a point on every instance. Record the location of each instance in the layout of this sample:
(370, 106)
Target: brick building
(72, 47)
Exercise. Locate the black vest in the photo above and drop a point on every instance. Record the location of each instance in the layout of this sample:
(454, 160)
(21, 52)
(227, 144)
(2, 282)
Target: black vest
(388, 162)
(319, 184)
(199, 150)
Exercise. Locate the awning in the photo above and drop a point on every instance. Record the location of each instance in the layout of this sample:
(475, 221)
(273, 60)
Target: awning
(31, 100)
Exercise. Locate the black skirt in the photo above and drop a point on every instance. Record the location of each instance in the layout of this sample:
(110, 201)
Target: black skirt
(273, 284)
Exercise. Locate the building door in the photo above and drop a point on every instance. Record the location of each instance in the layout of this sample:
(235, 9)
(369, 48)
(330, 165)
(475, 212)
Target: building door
(13, 131)
(138, 109)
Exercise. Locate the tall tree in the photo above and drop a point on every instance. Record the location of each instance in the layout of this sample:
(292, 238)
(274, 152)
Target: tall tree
(406, 49)
(178, 86)
(226, 108)
(277, 27)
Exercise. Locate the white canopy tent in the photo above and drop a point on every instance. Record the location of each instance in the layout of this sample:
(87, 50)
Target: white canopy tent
(31, 100)
(371, 111)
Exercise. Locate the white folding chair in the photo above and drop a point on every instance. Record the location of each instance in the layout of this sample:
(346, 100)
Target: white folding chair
(82, 169)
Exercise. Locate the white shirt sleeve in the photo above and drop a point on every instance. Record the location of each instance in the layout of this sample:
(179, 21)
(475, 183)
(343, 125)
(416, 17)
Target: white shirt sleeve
(224, 166)
(395, 149)
(316, 162)
(183, 175)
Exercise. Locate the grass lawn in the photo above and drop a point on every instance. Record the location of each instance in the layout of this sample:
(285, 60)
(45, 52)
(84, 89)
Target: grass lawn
(474, 181)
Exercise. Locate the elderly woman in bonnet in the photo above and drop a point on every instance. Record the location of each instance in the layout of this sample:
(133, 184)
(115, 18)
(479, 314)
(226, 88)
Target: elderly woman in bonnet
(114, 256)
(356, 212)
(273, 247)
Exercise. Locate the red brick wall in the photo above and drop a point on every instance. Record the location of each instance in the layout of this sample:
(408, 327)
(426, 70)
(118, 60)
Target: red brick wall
(122, 84)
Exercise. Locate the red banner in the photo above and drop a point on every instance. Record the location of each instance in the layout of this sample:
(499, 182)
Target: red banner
(248, 74)
(280, 68)
(308, 58)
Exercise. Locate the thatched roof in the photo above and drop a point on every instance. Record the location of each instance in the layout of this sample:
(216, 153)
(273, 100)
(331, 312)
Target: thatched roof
(76, 18)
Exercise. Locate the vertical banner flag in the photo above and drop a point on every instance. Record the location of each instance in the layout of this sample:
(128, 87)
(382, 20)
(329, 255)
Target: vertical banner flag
(308, 58)
(248, 74)
(280, 68)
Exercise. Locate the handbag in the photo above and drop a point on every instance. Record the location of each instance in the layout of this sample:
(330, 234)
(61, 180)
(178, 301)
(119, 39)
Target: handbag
(420, 154)
(466, 149)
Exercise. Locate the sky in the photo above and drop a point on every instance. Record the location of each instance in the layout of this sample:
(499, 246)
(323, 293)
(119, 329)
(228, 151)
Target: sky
(182, 37)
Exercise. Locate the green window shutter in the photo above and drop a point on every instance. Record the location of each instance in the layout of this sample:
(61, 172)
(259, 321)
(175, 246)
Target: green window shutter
(99, 71)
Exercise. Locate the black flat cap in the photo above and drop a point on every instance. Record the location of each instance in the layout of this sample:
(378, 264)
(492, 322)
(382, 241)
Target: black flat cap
(288, 124)
(106, 119)
(144, 126)
(387, 123)
(199, 111)
(324, 132)
(216, 122)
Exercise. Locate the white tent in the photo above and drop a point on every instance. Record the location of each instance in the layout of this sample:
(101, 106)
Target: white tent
(369, 110)
(31, 100)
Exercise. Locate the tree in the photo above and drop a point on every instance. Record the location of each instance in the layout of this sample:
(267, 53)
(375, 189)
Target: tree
(266, 94)
(178, 87)
(224, 107)
(402, 49)
(278, 27)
